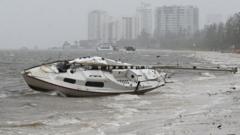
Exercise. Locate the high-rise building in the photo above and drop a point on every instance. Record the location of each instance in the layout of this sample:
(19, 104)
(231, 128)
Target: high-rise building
(176, 20)
(144, 14)
(105, 28)
(97, 20)
(102, 27)
(129, 28)
(113, 29)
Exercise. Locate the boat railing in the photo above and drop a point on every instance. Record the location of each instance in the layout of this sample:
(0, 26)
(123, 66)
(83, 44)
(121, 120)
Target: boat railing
(107, 67)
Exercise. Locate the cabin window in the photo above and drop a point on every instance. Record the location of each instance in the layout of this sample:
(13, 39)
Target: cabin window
(95, 84)
(95, 76)
(94, 67)
(104, 67)
(69, 80)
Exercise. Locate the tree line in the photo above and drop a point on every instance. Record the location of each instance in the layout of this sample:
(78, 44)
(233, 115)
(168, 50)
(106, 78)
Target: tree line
(214, 37)
(221, 36)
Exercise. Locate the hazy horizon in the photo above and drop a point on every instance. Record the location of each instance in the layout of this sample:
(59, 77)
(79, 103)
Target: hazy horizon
(49, 23)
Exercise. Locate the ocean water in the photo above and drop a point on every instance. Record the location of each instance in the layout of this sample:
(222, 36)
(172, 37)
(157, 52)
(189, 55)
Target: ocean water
(191, 103)
(13, 62)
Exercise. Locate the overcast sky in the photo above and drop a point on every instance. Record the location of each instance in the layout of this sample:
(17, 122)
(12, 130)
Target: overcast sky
(47, 23)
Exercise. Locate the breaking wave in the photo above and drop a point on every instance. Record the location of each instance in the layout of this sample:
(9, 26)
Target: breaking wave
(126, 97)
(206, 76)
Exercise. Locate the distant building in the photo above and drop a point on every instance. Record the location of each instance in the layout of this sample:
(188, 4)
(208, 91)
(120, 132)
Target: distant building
(102, 27)
(66, 45)
(88, 44)
(144, 14)
(113, 30)
(105, 28)
(176, 20)
(97, 25)
(130, 28)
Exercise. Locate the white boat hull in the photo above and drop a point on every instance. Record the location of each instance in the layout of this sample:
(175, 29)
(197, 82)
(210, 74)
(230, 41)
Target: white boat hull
(43, 86)
(81, 80)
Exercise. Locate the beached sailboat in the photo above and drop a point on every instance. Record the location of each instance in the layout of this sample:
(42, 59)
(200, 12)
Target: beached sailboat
(93, 76)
